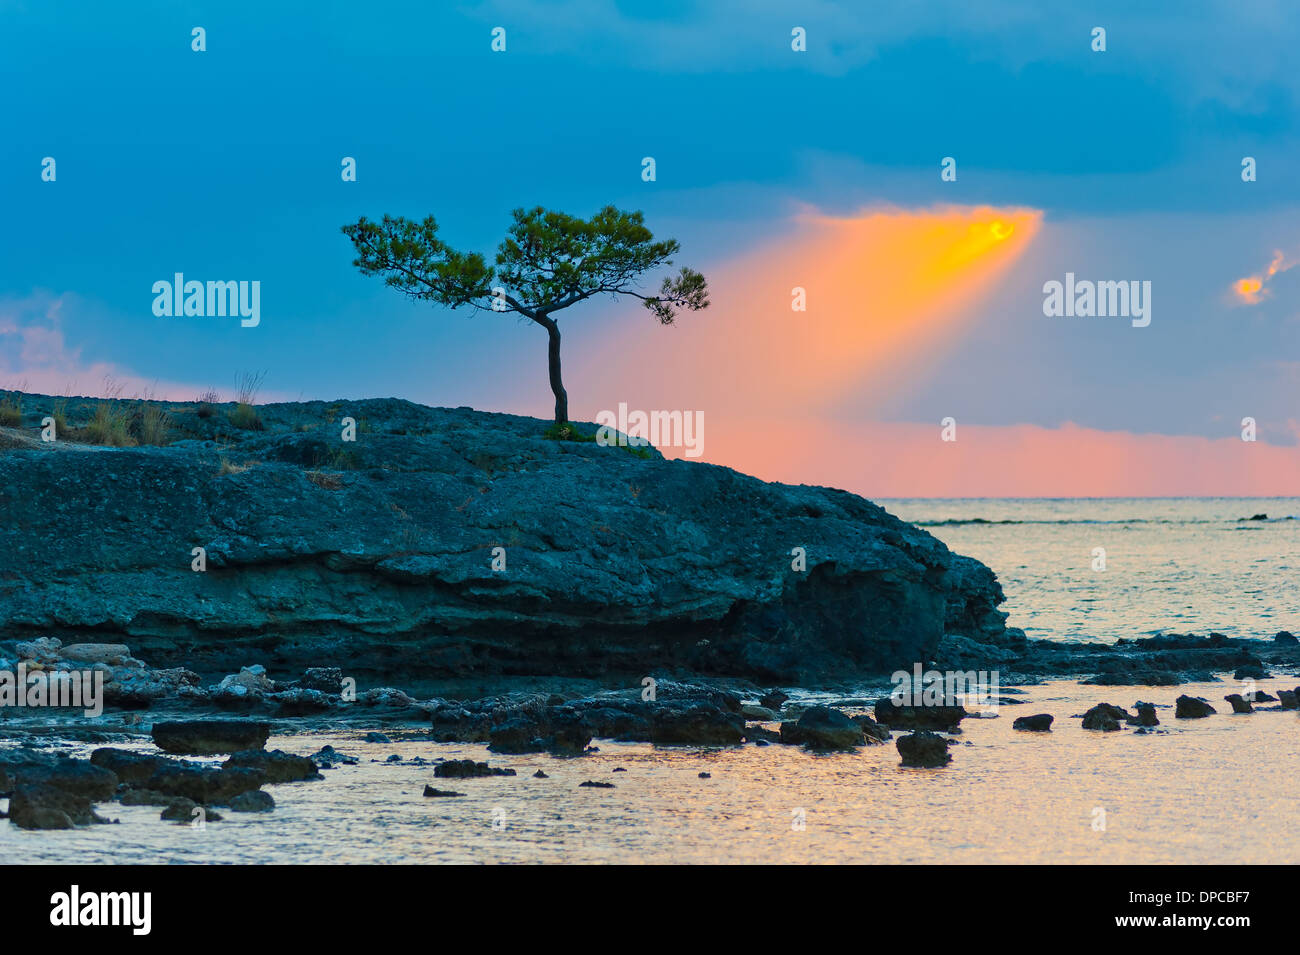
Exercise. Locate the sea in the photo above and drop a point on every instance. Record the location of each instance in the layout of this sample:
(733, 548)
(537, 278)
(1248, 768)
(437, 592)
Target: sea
(1217, 790)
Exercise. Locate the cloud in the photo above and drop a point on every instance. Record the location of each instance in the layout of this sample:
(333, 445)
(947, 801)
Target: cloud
(1253, 289)
(35, 355)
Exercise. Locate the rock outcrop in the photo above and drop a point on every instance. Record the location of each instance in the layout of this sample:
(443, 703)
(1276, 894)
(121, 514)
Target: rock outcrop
(377, 555)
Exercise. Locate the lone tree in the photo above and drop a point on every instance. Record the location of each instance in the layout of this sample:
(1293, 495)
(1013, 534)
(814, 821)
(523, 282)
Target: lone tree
(547, 262)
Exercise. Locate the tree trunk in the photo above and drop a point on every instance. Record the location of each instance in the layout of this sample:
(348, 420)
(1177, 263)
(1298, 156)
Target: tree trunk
(557, 383)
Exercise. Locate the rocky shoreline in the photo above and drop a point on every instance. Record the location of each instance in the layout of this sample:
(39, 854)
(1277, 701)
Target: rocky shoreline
(190, 724)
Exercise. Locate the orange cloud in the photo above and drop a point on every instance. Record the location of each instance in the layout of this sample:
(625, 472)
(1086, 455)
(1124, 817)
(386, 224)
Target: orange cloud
(910, 460)
(1253, 288)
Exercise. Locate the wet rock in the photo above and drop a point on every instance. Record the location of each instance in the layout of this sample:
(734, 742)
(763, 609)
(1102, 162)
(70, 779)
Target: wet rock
(761, 713)
(468, 769)
(327, 680)
(145, 797)
(756, 733)
(1192, 708)
(697, 726)
(1104, 717)
(773, 700)
(1251, 671)
(1239, 704)
(210, 737)
(540, 775)
(1038, 723)
(824, 728)
(129, 766)
(377, 738)
(440, 793)
(1287, 699)
(706, 775)
(1146, 714)
(1259, 696)
(592, 784)
(205, 785)
(873, 730)
(77, 776)
(185, 810)
(40, 806)
(255, 800)
(562, 734)
(276, 766)
(1286, 638)
(328, 756)
(923, 748)
(898, 717)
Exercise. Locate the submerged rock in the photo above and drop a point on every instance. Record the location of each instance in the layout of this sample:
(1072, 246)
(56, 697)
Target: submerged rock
(440, 793)
(468, 769)
(210, 737)
(1192, 708)
(1146, 714)
(1239, 703)
(943, 718)
(42, 806)
(821, 727)
(255, 800)
(697, 726)
(276, 766)
(1038, 723)
(924, 748)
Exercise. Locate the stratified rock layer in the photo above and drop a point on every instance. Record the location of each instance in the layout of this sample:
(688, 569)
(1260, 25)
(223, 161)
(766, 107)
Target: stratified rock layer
(377, 555)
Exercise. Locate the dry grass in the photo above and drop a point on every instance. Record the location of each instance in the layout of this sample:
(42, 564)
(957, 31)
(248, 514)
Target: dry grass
(244, 415)
(330, 482)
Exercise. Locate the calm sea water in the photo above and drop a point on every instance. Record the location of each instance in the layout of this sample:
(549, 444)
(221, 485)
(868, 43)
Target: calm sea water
(1218, 790)
(1173, 565)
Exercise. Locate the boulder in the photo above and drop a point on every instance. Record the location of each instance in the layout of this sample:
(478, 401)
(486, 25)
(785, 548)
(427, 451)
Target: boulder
(255, 800)
(923, 748)
(1239, 703)
(697, 726)
(1146, 714)
(942, 718)
(77, 776)
(824, 728)
(467, 769)
(1192, 708)
(276, 766)
(1287, 699)
(1038, 723)
(40, 806)
(204, 785)
(210, 737)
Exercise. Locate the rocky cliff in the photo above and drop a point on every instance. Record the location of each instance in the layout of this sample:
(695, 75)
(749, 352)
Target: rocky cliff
(377, 555)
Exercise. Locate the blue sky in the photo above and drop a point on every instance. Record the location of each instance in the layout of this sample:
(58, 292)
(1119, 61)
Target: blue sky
(225, 165)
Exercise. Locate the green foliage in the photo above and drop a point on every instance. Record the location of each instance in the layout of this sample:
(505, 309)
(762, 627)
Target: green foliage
(548, 261)
(567, 432)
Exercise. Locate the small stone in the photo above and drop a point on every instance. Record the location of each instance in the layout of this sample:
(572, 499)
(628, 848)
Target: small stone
(1038, 723)
(430, 791)
(595, 785)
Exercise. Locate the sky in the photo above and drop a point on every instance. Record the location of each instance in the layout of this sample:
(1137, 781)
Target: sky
(776, 169)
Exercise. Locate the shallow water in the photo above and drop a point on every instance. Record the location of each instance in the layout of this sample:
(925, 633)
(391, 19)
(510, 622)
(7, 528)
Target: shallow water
(1173, 565)
(1218, 790)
